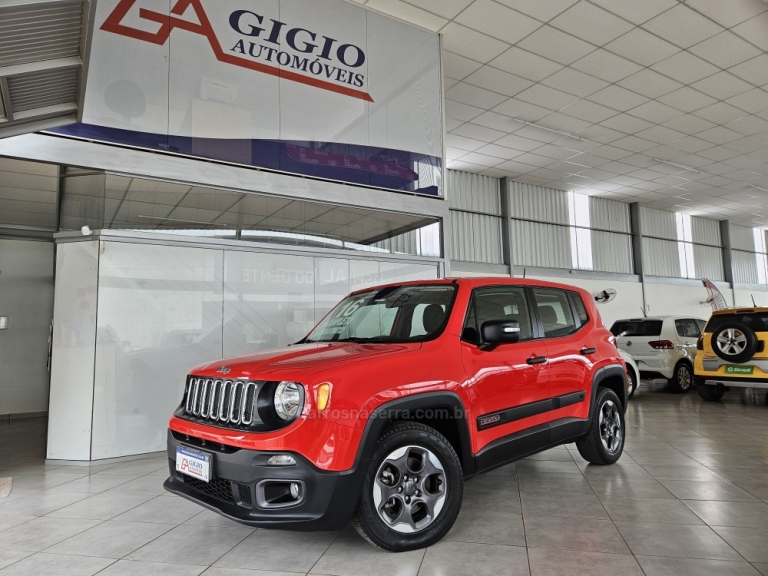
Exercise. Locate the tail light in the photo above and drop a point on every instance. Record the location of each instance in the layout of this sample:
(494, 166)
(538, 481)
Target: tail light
(612, 340)
(661, 345)
(700, 343)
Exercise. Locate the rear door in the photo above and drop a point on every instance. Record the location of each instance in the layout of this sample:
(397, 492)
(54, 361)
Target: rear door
(687, 331)
(634, 337)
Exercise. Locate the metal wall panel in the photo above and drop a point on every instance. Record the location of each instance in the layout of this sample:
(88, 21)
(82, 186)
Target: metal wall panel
(708, 261)
(608, 214)
(744, 266)
(473, 192)
(611, 252)
(661, 257)
(476, 238)
(705, 231)
(658, 223)
(537, 203)
(742, 238)
(541, 245)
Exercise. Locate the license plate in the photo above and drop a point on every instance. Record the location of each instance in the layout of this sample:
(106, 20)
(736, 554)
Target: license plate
(194, 463)
(743, 370)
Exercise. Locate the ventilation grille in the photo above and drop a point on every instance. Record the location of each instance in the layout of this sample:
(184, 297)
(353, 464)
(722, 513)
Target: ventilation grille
(220, 402)
(41, 89)
(36, 32)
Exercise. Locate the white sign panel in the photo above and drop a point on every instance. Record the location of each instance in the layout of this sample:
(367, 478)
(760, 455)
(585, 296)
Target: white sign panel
(317, 87)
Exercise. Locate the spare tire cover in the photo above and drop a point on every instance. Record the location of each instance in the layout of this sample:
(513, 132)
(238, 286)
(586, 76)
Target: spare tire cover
(734, 342)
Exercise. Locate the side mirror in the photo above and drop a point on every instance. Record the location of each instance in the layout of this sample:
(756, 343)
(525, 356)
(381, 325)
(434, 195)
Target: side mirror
(495, 332)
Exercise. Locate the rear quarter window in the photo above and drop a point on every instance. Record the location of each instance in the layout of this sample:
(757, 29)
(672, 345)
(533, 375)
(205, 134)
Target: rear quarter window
(758, 322)
(637, 327)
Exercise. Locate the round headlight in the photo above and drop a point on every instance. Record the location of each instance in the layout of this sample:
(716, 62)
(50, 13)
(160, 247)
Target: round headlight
(288, 400)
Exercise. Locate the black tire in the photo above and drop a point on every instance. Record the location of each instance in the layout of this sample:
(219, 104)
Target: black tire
(370, 523)
(682, 380)
(592, 446)
(740, 347)
(709, 393)
(632, 377)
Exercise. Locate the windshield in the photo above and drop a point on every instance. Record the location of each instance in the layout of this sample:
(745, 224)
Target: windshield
(391, 314)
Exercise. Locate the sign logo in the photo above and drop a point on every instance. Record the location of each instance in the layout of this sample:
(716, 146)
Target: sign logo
(264, 45)
(224, 370)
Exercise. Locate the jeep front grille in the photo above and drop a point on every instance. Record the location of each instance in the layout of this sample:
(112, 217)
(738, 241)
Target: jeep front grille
(230, 402)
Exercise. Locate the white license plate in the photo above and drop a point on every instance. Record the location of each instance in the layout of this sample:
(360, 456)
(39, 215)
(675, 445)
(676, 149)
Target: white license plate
(194, 463)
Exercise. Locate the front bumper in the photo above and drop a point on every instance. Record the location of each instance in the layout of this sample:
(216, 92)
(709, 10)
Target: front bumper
(328, 498)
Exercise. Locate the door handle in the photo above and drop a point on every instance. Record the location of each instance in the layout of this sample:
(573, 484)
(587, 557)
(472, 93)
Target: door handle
(537, 360)
(587, 351)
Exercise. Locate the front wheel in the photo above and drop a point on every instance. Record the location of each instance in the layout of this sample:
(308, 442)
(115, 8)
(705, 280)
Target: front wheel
(631, 382)
(604, 442)
(710, 393)
(412, 490)
(682, 379)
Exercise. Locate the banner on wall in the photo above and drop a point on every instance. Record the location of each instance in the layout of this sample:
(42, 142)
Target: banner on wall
(321, 88)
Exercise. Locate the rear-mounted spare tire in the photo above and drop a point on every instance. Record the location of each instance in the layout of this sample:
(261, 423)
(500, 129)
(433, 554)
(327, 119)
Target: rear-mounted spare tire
(734, 342)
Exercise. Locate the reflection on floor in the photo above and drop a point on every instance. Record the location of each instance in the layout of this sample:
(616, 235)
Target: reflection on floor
(689, 496)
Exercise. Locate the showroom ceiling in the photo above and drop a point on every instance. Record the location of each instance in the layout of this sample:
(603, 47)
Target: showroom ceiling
(653, 101)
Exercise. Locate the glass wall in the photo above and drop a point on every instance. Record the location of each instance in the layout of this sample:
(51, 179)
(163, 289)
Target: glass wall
(163, 310)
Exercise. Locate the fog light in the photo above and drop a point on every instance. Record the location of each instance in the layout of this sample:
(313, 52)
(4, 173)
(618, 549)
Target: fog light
(294, 490)
(323, 396)
(281, 460)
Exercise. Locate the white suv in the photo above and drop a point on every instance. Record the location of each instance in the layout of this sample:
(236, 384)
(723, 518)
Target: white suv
(664, 346)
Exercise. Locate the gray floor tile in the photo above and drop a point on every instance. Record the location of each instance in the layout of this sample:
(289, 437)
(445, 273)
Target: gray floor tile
(266, 550)
(502, 478)
(720, 490)
(762, 568)
(629, 488)
(243, 572)
(95, 483)
(752, 475)
(695, 473)
(499, 500)
(43, 481)
(42, 563)
(350, 555)
(211, 518)
(655, 566)
(757, 489)
(162, 510)
(535, 467)
(142, 485)
(460, 559)
(661, 510)
(675, 540)
(134, 568)
(110, 539)
(581, 506)
(574, 534)
(101, 506)
(201, 545)
(42, 503)
(745, 514)
(564, 484)
(546, 562)
(8, 557)
(751, 543)
(552, 455)
(487, 527)
(11, 520)
(42, 533)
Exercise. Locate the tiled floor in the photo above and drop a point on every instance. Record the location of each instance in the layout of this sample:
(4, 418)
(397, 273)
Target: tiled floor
(689, 496)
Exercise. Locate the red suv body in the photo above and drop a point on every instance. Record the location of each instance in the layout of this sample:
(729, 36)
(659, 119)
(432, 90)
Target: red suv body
(400, 394)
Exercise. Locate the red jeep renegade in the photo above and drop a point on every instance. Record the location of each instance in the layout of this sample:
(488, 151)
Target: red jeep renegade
(400, 394)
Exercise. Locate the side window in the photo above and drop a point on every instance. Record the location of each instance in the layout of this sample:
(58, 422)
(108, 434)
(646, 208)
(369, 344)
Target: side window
(701, 324)
(497, 303)
(419, 324)
(687, 328)
(555, 312)
(581, 310)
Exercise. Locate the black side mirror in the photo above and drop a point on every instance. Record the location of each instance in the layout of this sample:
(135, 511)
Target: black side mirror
(497, 332)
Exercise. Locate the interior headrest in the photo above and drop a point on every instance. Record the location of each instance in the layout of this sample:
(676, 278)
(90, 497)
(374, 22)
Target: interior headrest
(433, 318)
(548, 315)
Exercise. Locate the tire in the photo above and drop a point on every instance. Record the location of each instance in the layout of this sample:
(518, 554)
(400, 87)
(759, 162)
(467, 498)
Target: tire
(607, 424)
(405, 450)
(734, 342)
(632, 377)
(682, 380)
(709, 393)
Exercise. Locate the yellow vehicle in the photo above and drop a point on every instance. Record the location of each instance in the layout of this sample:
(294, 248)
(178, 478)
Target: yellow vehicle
(732, 352)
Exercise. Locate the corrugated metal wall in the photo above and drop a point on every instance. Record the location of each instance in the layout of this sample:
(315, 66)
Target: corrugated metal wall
(705, 231)
(661, 257)
(529, 202)
(611, 215)
(744, 266)
(708, 261)
(473, 193)
(541, 245)
(612, 252)
(475, 203)
(658, 223)
(742, 238)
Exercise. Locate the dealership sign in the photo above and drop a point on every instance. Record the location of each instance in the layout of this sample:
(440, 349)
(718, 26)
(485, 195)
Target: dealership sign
(317, 87)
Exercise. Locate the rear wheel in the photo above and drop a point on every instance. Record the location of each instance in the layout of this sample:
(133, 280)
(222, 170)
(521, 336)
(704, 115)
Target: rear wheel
(412, 491)
(682, 380)
(604, 442)
(710, 393)
(631, 382)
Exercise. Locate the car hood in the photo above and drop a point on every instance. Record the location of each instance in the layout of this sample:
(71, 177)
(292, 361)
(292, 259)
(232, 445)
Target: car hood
(298, 362)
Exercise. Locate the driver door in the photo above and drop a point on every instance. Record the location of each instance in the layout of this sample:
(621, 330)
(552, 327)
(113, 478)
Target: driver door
(508, 376)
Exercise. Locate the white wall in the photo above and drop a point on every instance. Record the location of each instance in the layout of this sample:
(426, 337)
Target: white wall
(744, 297)
(26, 297)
